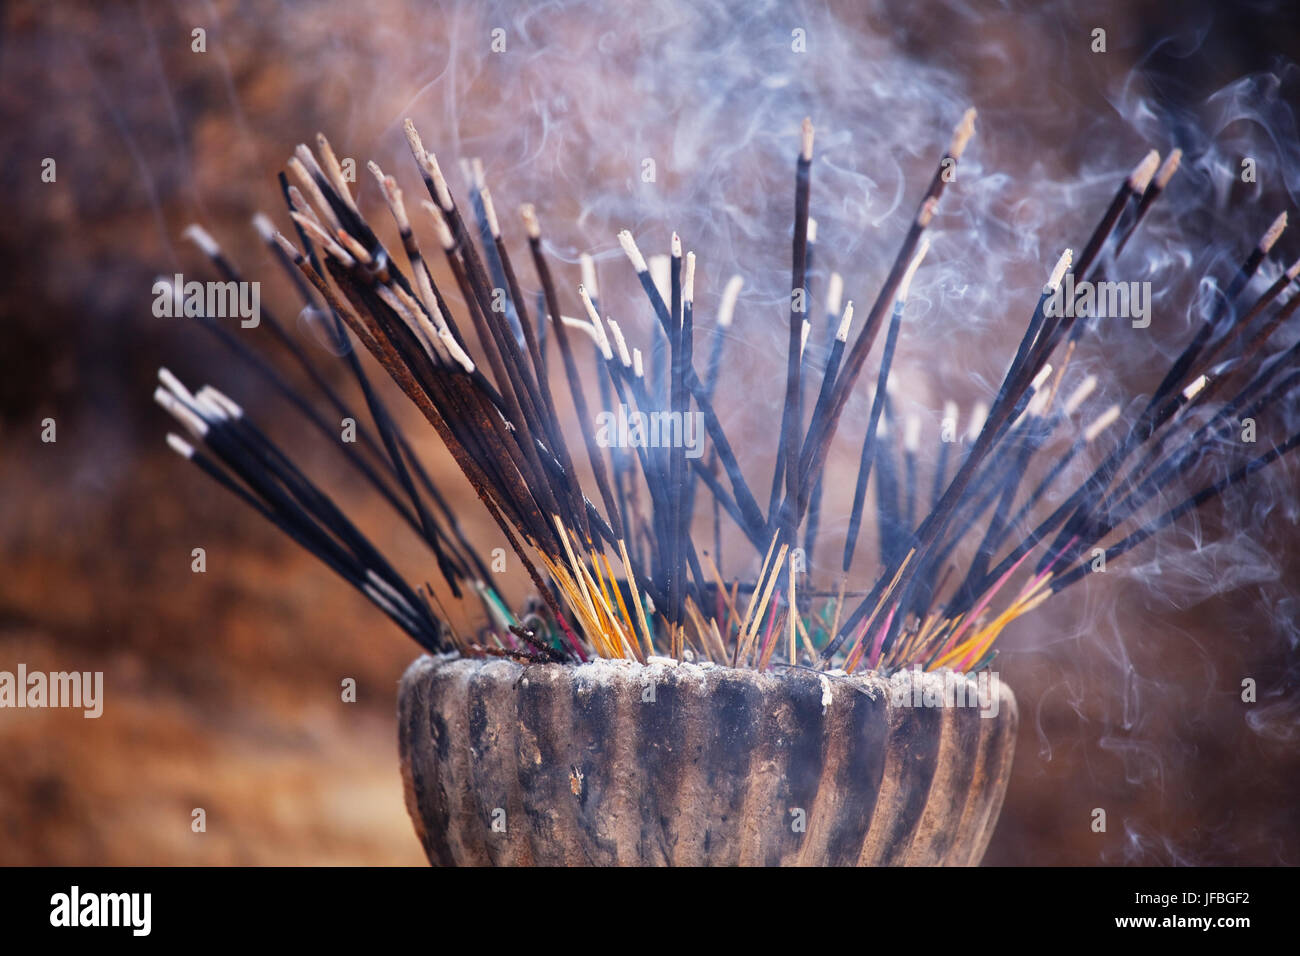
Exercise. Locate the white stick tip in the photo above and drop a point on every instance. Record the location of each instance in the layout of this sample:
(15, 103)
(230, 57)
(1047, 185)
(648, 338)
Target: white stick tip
(528, 212)
(806, 139)
(1101, 423)
(180, 411)
(631, 251)
(846, 320)
(587, 266)
(202, 238)
(1060, 269)
(413, 140)
(834, 293)
(297, 200)
(180, 445)
(1080, 394)
(490, 212)
(905, 285)
(588, 305)
(620, 342)
(1194, 387)
(979, 412)
(1143, 171)
(1274, 233)
(265, 228)
(1168, 168)
(912, 434)
(289, 248)
(961, 136)
(727, 307)
(1037, 406)
(173, 383)
(224, 402)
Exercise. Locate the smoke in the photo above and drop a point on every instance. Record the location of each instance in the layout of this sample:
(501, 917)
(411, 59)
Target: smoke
(674, 115)
(684, 116)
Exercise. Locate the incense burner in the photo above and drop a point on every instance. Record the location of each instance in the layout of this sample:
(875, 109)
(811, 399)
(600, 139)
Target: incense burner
(618, 763)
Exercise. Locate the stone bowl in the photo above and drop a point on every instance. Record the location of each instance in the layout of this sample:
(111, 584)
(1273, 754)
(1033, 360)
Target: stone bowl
(619, 763)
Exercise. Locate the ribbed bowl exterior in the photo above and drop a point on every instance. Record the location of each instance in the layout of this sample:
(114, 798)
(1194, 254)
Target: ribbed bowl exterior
(616, 763)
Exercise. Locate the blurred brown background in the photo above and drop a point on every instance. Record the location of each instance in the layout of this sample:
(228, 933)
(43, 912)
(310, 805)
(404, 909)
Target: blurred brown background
(222, 689)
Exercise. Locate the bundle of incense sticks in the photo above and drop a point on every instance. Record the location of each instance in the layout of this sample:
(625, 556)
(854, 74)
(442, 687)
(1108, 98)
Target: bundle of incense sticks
(619, 574)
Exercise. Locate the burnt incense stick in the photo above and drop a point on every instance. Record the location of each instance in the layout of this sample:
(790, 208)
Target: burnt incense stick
(423, 524)
(1173, 514)
(877, 407)
(1065, 324)
(753, 516)
(1012, 396)
(1011, 402)
(1153, 192)
(829, 374)
(787, 457)
(1161, 407)
(820, 433)
(1110, 514)
(949, 576)
(1176, 376)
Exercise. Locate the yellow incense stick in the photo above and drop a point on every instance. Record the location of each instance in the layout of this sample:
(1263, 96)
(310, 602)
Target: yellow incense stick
(636, 598)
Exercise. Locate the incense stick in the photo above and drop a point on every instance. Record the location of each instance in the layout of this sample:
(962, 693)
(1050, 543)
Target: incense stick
(498, 420)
